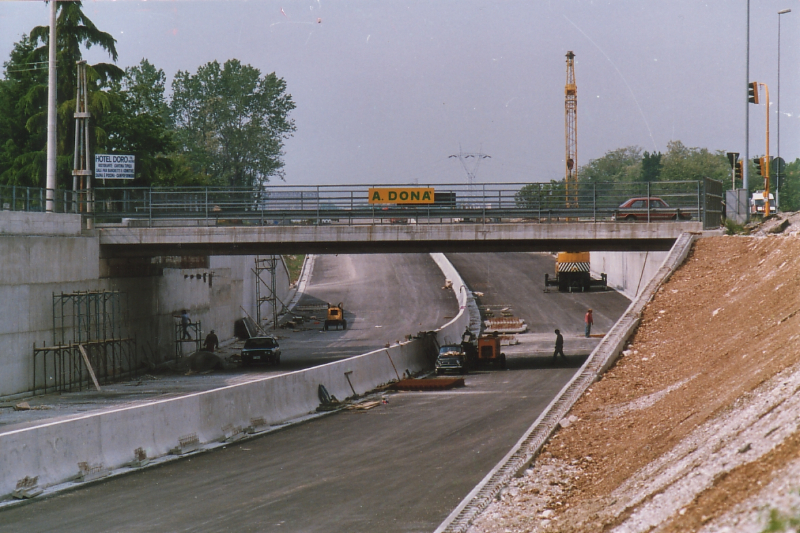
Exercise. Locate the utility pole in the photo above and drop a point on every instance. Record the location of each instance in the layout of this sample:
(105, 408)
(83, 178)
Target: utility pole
(82, 195)
(571, 133)
(747, 111)
(766, 158)
(778, 170)
(51, 114)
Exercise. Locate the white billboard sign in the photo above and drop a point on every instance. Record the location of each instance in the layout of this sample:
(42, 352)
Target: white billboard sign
(114, 167)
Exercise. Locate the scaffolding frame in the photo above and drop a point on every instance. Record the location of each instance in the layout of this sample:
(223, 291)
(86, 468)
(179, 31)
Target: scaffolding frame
(89, 320)
(270, 265)
(108, 359)
(90, 315)
(191, 327)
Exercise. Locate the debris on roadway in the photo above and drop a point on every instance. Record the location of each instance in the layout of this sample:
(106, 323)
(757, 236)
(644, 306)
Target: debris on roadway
(428, 384)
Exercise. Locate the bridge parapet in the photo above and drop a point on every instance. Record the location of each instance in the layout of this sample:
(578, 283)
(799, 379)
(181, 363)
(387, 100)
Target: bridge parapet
(290, 205)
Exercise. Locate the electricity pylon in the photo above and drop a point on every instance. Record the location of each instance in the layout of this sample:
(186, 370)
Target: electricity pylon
(470, 169)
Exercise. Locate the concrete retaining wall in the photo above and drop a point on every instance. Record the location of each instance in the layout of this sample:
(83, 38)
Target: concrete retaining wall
(628, 272)
(21, 223)
(53, 257)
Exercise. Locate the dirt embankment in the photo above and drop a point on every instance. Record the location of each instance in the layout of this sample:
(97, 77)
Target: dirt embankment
(695, 428)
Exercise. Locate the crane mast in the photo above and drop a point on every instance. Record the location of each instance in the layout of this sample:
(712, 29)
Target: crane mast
(571, 133)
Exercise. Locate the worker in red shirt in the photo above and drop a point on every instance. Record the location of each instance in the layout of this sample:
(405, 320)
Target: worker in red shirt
(589, 321)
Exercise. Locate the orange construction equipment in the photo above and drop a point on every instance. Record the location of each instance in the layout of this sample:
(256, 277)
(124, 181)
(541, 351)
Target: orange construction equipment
(489, 351)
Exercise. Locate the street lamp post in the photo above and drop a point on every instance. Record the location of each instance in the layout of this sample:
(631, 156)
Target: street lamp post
(747, 111)
(50, 184)
(777, 165)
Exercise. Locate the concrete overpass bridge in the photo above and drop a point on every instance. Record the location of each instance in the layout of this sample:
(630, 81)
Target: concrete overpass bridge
(406, 238)
(483, 217)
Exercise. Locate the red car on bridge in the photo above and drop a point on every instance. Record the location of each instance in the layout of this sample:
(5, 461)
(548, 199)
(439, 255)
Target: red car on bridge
(652, 209)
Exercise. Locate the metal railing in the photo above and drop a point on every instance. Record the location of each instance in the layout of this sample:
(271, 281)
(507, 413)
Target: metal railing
(349, 204)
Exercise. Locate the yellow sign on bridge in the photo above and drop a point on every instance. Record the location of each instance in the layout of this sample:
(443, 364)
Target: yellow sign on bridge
(401, 195)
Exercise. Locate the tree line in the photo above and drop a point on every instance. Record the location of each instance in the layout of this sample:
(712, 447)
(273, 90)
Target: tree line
(223, 125)
(622, 168)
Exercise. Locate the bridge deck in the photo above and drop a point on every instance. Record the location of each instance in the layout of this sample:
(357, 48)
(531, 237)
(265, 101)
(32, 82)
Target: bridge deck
(120, 241)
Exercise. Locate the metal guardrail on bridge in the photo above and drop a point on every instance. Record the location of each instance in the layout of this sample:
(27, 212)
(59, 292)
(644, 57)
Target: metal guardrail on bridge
(349, 204)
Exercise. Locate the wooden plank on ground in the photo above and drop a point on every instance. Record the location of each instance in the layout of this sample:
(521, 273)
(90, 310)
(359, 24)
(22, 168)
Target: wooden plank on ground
(89, 367)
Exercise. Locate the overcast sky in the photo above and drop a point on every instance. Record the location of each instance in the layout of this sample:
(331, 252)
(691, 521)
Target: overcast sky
(387, 90)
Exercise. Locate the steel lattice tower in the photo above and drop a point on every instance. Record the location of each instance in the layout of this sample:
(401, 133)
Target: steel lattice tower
(81, 173)
(571, 133)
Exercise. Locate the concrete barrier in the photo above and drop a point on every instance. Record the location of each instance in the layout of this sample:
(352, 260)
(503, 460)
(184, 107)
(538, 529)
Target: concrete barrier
(451, 332)
(53, 450)
(108, 439)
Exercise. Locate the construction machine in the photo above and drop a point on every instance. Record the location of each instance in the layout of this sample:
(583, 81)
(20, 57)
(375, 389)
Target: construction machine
(335, 317)
(481, 351)
(489, 351)
(573, 274)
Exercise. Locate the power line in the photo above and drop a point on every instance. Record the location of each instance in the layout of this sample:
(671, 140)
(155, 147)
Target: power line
(471, 170)
(27, 69)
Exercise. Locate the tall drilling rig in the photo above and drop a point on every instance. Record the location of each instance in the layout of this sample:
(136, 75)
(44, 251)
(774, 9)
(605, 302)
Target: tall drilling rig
(571, 133)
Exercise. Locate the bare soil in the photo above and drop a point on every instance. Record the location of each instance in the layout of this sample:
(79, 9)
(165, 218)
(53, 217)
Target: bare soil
(695, 427)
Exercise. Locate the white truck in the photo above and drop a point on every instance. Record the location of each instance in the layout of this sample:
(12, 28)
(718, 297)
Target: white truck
(757, 203)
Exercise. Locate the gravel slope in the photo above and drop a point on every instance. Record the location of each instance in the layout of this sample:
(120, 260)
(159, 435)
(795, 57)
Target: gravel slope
(695, 428)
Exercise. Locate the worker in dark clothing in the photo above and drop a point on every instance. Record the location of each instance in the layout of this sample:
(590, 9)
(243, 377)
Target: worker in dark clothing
(467, 336)
(211, 341)
(559, 346)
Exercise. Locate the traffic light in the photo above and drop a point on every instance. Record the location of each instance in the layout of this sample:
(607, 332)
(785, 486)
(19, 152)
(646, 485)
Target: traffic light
(759, 162)
(739, 170)
(752, 92)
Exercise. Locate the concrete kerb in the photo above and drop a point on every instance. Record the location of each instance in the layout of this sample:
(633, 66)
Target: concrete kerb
(302, 281)
(52, 451)
(601, 359)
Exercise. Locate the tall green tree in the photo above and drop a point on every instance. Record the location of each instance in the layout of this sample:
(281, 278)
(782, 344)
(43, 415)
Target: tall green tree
(651, 166)
(24, 158)
(789, 192)
(231, 122)
(22, 94)
(620, 165)
(684, 163)
(137, 122)
(542, 195)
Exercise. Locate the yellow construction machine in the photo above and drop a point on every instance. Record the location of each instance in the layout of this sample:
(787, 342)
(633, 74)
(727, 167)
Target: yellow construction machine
(335, 317)
(573, 274)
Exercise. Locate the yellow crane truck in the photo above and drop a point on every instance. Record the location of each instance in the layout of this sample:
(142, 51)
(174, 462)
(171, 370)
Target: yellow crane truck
(573, 274)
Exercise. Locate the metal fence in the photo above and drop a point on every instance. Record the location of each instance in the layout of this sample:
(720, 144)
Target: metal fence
(349, 204)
